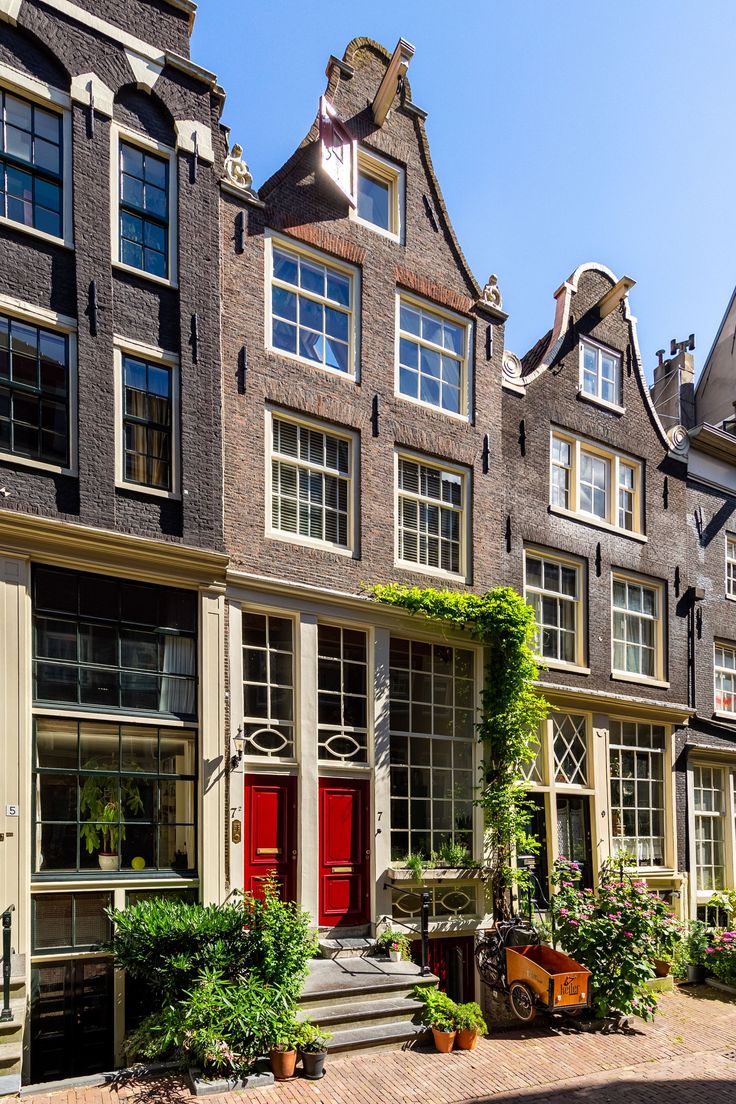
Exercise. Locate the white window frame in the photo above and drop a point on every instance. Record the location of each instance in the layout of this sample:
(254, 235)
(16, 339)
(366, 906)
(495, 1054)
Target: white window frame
(721, 669)
(730, 571)
(352, 549)
(266, 759)
(657, 587)
(596, 396)
(372, 164)
(465, 514)
(578, 602)
(326, 762)
(120, 134)
(152, 354)
(717, 779)
(616, 462)
(726, 768)
(667, 792)
(48, 97)
(62, 324)
(466, 365)
(291, 245)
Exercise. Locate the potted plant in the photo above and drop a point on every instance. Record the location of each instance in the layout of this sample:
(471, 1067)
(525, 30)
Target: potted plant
(668, 935)
(313, 1049)
(470, 1024)
(283, 1053)
(395, 943)
(697, 943)
(439, 1014)
(105, 799)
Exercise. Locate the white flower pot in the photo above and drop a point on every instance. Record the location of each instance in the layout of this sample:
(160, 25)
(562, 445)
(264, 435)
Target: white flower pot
(108, 862)
(394, 956)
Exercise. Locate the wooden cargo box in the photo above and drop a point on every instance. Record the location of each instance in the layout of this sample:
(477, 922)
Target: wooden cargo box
(556, 980)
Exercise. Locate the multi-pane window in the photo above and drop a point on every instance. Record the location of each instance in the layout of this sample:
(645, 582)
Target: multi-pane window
(570, 749)
(730, 566)
(70, 922)
(432, 720)
(637, 791)
(709, 806)
(432, 357)
(311, 483)
(144, 210)
(600, 373)
(268, 685)
(147, 423)
(552, 588)
(595, 483)
(312, 313)
(34, 392)
(342, 694)
(636, 629)
(113, 797)
(379, 195)
(31, 164)
(108, 644)
(725, 678)
(431, 515)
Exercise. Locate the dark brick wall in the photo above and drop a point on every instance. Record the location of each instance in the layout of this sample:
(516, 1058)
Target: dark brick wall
(302, 204)
(154, 21)
(47, 275)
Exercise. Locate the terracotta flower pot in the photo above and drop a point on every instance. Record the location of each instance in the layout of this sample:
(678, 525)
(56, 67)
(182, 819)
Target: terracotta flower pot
(283, 1064)
(467, 1039)
(661, 968)
(444, 1040)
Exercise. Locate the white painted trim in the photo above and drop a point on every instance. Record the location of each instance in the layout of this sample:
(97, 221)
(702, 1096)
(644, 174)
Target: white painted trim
(145, 70)
(31, 86)
(466, 372)
(395, 177)
(103, 96)
(40, 316)
(10, 10)
(171, 361)
(466, 537)
(120, 134)
(186, 130)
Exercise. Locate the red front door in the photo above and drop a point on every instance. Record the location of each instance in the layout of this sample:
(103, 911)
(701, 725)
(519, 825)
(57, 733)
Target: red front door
(344, 852)
(270, 831)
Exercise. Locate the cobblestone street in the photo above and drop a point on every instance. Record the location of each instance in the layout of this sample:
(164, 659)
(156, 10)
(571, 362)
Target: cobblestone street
(687, 1054)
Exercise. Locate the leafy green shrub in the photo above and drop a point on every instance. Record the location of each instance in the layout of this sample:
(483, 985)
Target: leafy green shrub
(453, 854)
(721, 957)
(439, 1010)
(468, 1017)
(280, 941)
(312, 1038)
(697, 942)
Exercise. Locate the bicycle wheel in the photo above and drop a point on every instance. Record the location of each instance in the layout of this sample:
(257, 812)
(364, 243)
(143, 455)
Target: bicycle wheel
(487, 961)
(521, 1000)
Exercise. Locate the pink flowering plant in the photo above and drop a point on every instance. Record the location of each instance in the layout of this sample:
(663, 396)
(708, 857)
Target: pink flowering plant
(720, 957)
(616, 932)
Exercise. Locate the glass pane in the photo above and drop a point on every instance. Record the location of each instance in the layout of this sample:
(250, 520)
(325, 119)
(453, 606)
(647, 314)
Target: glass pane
(56, 743)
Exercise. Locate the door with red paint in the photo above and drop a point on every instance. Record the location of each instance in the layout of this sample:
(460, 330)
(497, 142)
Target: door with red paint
(344, 860)
(270, 831)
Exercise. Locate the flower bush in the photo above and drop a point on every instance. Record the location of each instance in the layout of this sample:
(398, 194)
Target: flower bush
(721, 957)
(616, 932)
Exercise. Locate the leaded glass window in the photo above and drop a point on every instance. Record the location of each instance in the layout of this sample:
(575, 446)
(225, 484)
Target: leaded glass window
(570, 746)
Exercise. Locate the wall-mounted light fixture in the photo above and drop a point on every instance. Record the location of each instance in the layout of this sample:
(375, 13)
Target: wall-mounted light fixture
(239, 747)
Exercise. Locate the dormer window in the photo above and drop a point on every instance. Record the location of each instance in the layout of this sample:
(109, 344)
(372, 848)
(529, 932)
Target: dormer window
(600, 373)
(380, 194)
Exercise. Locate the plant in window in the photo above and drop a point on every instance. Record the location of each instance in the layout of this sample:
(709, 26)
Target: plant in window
(105, 799)
(454, 855)
(724, 899)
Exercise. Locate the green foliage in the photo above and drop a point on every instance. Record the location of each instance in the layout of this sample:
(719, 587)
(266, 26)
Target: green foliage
(721, 956)
(453, 854)
(280, 940)
(725, 900)
(696, 942)
(392, 940)
(468, 1017)
(415, 864)
(439, 1010)
(616, 933)
(312, 1038)
(511, 714)
(104, 800)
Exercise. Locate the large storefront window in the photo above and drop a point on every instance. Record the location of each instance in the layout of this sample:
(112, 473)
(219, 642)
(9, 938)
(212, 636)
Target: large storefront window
(110, 644)
(432, 699)
(113, 797)
(637, 792)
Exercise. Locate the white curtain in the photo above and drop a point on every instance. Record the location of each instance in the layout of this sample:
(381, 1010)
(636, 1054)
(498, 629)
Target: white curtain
(178, 695)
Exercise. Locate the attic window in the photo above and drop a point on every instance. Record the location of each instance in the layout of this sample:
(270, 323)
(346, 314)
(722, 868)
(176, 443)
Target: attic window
(600, 373)
(380, 194)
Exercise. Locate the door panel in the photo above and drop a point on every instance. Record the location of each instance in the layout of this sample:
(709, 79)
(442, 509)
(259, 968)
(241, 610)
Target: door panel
(573, 834)
(71, 1018)
(344, 852)
(270, 831)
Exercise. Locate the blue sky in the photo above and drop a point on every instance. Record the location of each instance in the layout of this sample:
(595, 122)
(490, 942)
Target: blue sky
(561, 132)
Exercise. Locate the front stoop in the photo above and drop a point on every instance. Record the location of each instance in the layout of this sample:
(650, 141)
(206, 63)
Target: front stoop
(345, 942)
(11, 1039)
(365, 1002)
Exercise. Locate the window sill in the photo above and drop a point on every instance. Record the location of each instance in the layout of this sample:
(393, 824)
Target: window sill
(349, 377)
(436, 874)
(390, 235)
(114, 878)
(559, 665)
(160, 280)
(730, 598)
(641, 680)
(435, 572)
(613, 407)
(142, 489)
(38, 465)
(62, 243)
(595, 523)
(310, 542)
(436, 409)
(723, 716)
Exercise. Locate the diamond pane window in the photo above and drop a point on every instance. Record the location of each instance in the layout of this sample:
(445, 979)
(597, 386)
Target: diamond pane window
(431, 508)
(144, 210)
(268, 685)
(725, 678)
(601, 373)
(570, 747)
(34, 392)
(432, 358)
(636, 625)
(637, 791)
(342, 694)
(552, 588)
(710, 815)
(30, 164)
(312, 310)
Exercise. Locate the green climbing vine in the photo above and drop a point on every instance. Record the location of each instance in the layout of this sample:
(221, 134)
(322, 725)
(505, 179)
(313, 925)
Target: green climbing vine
(512, 710)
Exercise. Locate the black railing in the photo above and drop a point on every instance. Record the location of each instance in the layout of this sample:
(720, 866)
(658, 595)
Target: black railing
(423, 928)
(6, 1013)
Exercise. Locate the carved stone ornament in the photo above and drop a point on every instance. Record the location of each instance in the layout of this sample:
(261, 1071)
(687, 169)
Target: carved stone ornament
(236, 170)
(491, 294)
(511, 366)
(679, 439)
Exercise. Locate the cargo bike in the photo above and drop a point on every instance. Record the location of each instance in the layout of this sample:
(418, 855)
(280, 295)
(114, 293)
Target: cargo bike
(534, 976)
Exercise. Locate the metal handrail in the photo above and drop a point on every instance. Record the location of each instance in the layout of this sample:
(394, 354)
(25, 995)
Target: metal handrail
(423, 930)
(6, 1015)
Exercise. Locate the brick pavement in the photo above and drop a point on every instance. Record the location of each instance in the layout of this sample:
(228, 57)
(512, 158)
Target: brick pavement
(681, 1056)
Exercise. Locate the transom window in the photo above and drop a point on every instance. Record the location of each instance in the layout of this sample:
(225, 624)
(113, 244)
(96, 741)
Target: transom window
(552, 588)
(637, 791)
(431, 515)
(311, 483)
(111, 644)
(595, 483)
(70, 922)
(432, 719)
(730, 565)
(147, 422)
(600, 371)
(34, 392)
(342, 694)
(31, 164)
(432, 357)
(144, 210)
(710, 814)
(268, 685)
(570, 748)
(637, 644)
(113, 797)
(379, 193)
(725, 678)
(312, 313)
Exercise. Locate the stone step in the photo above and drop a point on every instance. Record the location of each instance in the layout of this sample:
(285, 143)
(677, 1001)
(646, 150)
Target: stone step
(348, 947)
(351, 1014)
(354, 990)
(12, 1030)
(11, 1058)
(378, 1036)
(358, 931)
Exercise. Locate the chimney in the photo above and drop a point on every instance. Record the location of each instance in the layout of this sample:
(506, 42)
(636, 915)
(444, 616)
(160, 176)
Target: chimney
(673, 390)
